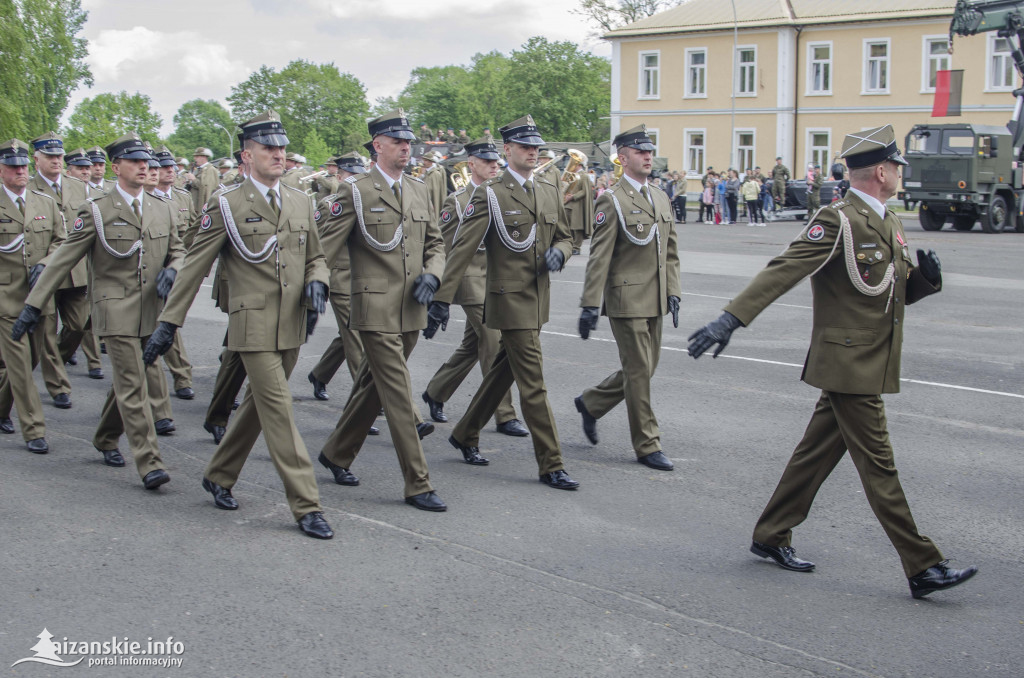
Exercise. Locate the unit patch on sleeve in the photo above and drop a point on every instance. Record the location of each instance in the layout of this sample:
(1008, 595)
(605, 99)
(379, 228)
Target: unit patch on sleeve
(816, 232)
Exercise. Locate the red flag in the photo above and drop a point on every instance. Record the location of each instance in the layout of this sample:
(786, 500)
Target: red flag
(949, 87)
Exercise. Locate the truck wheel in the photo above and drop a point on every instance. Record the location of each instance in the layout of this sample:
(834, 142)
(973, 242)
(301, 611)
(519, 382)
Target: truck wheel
(963, 222)
(997, 217)
(930, 221)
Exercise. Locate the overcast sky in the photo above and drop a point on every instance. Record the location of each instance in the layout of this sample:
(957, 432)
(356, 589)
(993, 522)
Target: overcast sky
(174, 51)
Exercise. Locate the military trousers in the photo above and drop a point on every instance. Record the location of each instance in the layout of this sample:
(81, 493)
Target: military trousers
(267, 407)
(69, 340)
(17, 387)
(856, 423)
(813, 204)
(230, 377)
(480, 344)
(131, 402)
(639, 343)
(577, 238)
(383, 379)
(345, 346)
(779, 193)
(520, 361)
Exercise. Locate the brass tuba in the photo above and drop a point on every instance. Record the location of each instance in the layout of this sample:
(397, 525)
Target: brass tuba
(460, 175)
(573, 170)
(619, 169)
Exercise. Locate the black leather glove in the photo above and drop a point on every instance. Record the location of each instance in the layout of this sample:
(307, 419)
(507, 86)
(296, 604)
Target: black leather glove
(715, 332)
(159, 342)
(930, 267)
(33, 275)
(437, 316)
(424, 287)
(164, 282)
(311, 318)
(588, 320)
(673, 308)
(316, 292)
(554, 259)
(26, 322)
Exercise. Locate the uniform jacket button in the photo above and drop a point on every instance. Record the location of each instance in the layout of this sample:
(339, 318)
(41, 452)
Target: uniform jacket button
(848, 342)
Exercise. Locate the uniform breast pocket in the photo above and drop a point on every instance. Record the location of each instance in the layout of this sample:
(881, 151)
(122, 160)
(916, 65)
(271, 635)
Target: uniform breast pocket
(121, 241)
(5, 277)
(107, 315)
(39, 225)
(417, 229)
(382, 227)
(246, 325)
(298, 234)
(256, 234)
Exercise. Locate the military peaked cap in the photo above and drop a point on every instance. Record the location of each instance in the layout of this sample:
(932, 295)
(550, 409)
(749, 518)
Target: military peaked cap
(392, 124)
(482, 148)
(871, 147)
(634, 138)
(265, 128)
(50, 143)
(78, 157)
(14, 152)
(522, 131)
(128, 147)
(97, 156)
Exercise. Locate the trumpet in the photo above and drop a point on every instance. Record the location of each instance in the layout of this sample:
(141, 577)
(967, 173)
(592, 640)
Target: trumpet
(460, 175)
(543, 166)
(312, 177)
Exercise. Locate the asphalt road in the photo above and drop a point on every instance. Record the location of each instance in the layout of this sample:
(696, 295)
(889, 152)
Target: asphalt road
(639, 573)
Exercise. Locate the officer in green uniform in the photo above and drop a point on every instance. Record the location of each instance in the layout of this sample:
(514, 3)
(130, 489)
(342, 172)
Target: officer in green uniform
(862, 277)
(132, 246)
(579, 207)
(521, 221)
(98, 158)
(480, 344)
(426, 134)
(266, 236)
(814, 192)
(385, 219)
(206, 178)
(31, 228)
(436, 180)
(634, 267)
(78, 165)
(780, 175)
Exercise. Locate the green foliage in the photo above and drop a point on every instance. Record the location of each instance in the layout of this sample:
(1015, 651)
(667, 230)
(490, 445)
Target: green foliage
(105, 117)
(196, 124)
(315, 149)
(607, 15)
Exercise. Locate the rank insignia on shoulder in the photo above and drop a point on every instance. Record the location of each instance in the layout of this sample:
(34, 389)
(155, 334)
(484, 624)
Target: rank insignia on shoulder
(600, 218)
(816, 232)
(206, 222)
(446, 216)
(336, 209)
(253, 220)
(839, 203)
(316, 216)
(78, 225)
(469, 210)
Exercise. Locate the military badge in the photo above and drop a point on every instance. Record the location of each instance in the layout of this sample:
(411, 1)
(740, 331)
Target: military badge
(816, 232)
(206, 206)
(469, 210)
(78, 225)
(206, 222)
(335, 209)
(599, 218)
(41, 216)
(316, 216)
(446, 216)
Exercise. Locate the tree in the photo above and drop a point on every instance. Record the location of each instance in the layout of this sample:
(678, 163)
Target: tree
(12, 72)
(105, 117)
(315, 149)
(607, 15)
(202, 122)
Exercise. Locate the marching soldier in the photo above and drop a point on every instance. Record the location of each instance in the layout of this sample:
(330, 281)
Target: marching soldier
(266, 235)
(134, 251)
(480, 344)
(204, 178)
(184, 176)
(522, 222)
(862, 277)
(814, 192)
(386, 220)
(97, 175)
(634, 266)
(79, 166)
(780, 175)
(31, 228)
(436, 180)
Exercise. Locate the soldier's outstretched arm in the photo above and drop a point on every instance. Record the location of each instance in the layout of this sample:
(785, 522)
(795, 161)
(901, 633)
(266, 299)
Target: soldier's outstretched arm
(209, 240)
(64, 258)
(470, 233)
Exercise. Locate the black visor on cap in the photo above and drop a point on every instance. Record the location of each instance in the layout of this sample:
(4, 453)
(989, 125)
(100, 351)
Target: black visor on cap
(78, 160)
(166, 160)
(354, 168)
(15, 157)
(527, 135)
(97, 159)
(49, 146)
(637, 140)
(270, 133)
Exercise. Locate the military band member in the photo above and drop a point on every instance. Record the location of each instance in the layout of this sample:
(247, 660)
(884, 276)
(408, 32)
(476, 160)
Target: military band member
(31, 228)
(579, 208)
(436, 180)
(634, 268)
(133, 250)
(266, 236)
(204, 178)
(386, 220)
(480, 343)
(780, 175)
(79, 166)
(521, 221)
(862, 278)
(328, 185)
(294, 171)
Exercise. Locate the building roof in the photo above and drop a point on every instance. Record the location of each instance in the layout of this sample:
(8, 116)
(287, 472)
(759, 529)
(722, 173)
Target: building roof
(693, 16)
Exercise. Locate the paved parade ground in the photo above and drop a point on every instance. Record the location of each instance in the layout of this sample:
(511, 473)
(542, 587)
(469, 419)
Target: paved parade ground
(639, 573)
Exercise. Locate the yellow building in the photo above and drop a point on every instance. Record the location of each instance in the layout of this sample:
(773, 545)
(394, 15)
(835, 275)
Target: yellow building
(806, 73)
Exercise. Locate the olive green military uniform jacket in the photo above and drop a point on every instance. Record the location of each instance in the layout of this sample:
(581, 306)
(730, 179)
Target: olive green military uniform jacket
(124, 260)
(472, 291)
(206, 183)
(73, 192)
(267, 259)
(856, 338)
(780, 174)
(518, 284)
(335, 249)
(390, 245)
(437, 187)
(24, 242)
(325, 186)
(184, 212)
(633, 265)
(580, 208)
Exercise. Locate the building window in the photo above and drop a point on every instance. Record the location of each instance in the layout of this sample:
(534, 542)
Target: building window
(819, 148)
(746, 71)
(696, 72)
(693, 151)
(936, 58)
(819, 68)
(744, 150)
(650, 75)
(876, 66)
(1000, 68)
(653, 134)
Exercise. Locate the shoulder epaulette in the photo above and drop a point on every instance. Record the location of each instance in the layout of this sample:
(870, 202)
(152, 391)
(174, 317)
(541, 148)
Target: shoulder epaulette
(459, 191)
(38, 192)
(180, 190)
(414, 178)
(355, 177)
(158, 197)
(66, 176)
(291, 188)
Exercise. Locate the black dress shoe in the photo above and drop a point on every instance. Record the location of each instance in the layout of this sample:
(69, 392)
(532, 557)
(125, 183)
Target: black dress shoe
(185, 393)
(559, 480)
(589, 422)
(436, 408)
(319, 388)
(471, 455)
(374, 431)
(785, 556)
(513, 427)
(315, 526)
(937, 578)
(155, 479)
(62, 400)
(424, 429)
(235, 404)
(656, 460)
(73, 360)
(6, 425)
(112, 457)
(427, 501)
(165, 427)
(222, 498)
(38, 446)
(95, 373)
(216, 431)
(342, 476)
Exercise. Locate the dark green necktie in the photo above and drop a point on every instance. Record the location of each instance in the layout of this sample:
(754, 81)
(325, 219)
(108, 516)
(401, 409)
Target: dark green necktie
(21, 205)
(397, 188)
(137, 208)
(272, 199)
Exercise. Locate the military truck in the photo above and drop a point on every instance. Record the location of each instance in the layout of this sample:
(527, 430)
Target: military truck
(963, 173)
